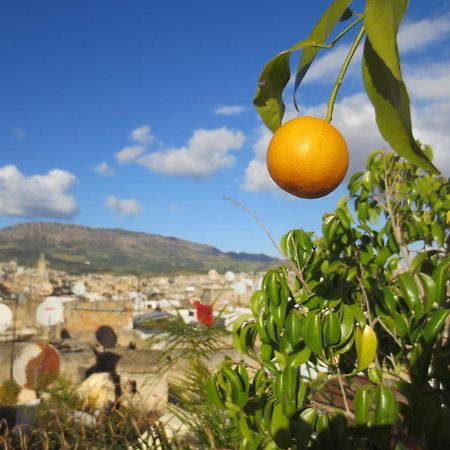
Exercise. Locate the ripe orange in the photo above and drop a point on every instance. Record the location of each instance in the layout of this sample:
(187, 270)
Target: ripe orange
(307, 157)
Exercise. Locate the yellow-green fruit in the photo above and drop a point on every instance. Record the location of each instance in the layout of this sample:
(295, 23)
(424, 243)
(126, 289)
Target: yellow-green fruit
(366, 346)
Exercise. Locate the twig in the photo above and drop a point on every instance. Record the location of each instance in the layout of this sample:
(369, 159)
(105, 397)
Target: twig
(344, 395)
(377, 320)
(396, 231)
(297, 270)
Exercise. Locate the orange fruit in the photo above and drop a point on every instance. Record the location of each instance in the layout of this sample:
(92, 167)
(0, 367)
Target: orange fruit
(307, 157)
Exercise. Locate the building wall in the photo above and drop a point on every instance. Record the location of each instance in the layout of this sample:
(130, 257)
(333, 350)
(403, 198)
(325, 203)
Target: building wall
(89, 316)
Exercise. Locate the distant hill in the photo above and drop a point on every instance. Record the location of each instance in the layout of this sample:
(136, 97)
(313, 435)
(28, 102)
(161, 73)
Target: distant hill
(79, 249)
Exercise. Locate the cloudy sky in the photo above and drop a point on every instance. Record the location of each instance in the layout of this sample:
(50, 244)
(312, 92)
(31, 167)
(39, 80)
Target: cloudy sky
(138, 115)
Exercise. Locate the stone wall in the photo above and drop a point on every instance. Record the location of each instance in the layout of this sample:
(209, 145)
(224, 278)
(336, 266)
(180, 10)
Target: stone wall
(89, 316)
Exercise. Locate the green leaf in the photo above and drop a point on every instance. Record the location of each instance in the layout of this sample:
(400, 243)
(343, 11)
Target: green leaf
(293, 327)
(319, 34)
(434, 326)
(344, 217)
(430, 291)
(401, 325)
(422, 256)
(375, 375)
(268, 99)
(409, 289)
(312, 332)
(331, 329)
(390, 100)
(438, 233)
(274, 77)
(386, 406)
(358, 314)
(304, 426)
(381, 21)
(299, 358)
(419, 363)
(440, 277)
(362, 403)
(280, 427)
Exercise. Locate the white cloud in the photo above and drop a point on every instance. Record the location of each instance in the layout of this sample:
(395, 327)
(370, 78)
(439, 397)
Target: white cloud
(431, 127)
(206, 152)
(18, 133)
(229, 110)
(415, 36)
(126, 207)
(429, 83)
(103, 169)
(43, 196)
(142, 135)
(257, 178)
(129, 154)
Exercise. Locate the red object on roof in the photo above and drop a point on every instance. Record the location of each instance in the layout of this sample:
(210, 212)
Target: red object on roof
(204, 313)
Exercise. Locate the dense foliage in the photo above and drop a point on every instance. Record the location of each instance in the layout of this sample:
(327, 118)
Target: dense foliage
(350, 336)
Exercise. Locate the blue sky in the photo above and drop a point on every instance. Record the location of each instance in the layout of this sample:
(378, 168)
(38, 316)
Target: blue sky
(138, 114)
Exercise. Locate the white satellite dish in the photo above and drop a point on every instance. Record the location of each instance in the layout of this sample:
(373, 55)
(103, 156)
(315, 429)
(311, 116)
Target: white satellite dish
(50, 312)
(79, 288)
(5, 317)
(229, 276)
(213, 275)
(239, 288)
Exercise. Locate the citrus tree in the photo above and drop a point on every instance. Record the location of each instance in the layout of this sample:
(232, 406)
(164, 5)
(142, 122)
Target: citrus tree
(350, 336)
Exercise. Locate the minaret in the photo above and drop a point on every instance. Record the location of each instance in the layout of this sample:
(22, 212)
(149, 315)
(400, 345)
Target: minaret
(42, 265)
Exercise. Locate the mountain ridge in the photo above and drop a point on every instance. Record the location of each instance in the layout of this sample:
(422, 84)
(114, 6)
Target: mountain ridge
(83, 249)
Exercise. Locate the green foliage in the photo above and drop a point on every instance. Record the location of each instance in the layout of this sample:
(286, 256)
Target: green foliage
(210, 426)
(184, 341)
(187, 348)
(381, 70)
(9, 393)
(351, 334)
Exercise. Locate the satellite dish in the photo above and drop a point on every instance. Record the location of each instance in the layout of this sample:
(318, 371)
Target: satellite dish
(50, 312)
(213, 275)
(229, 276)
(36, 366)
(239, 288)
(5, 317)
(106, 336)
(79, 288)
